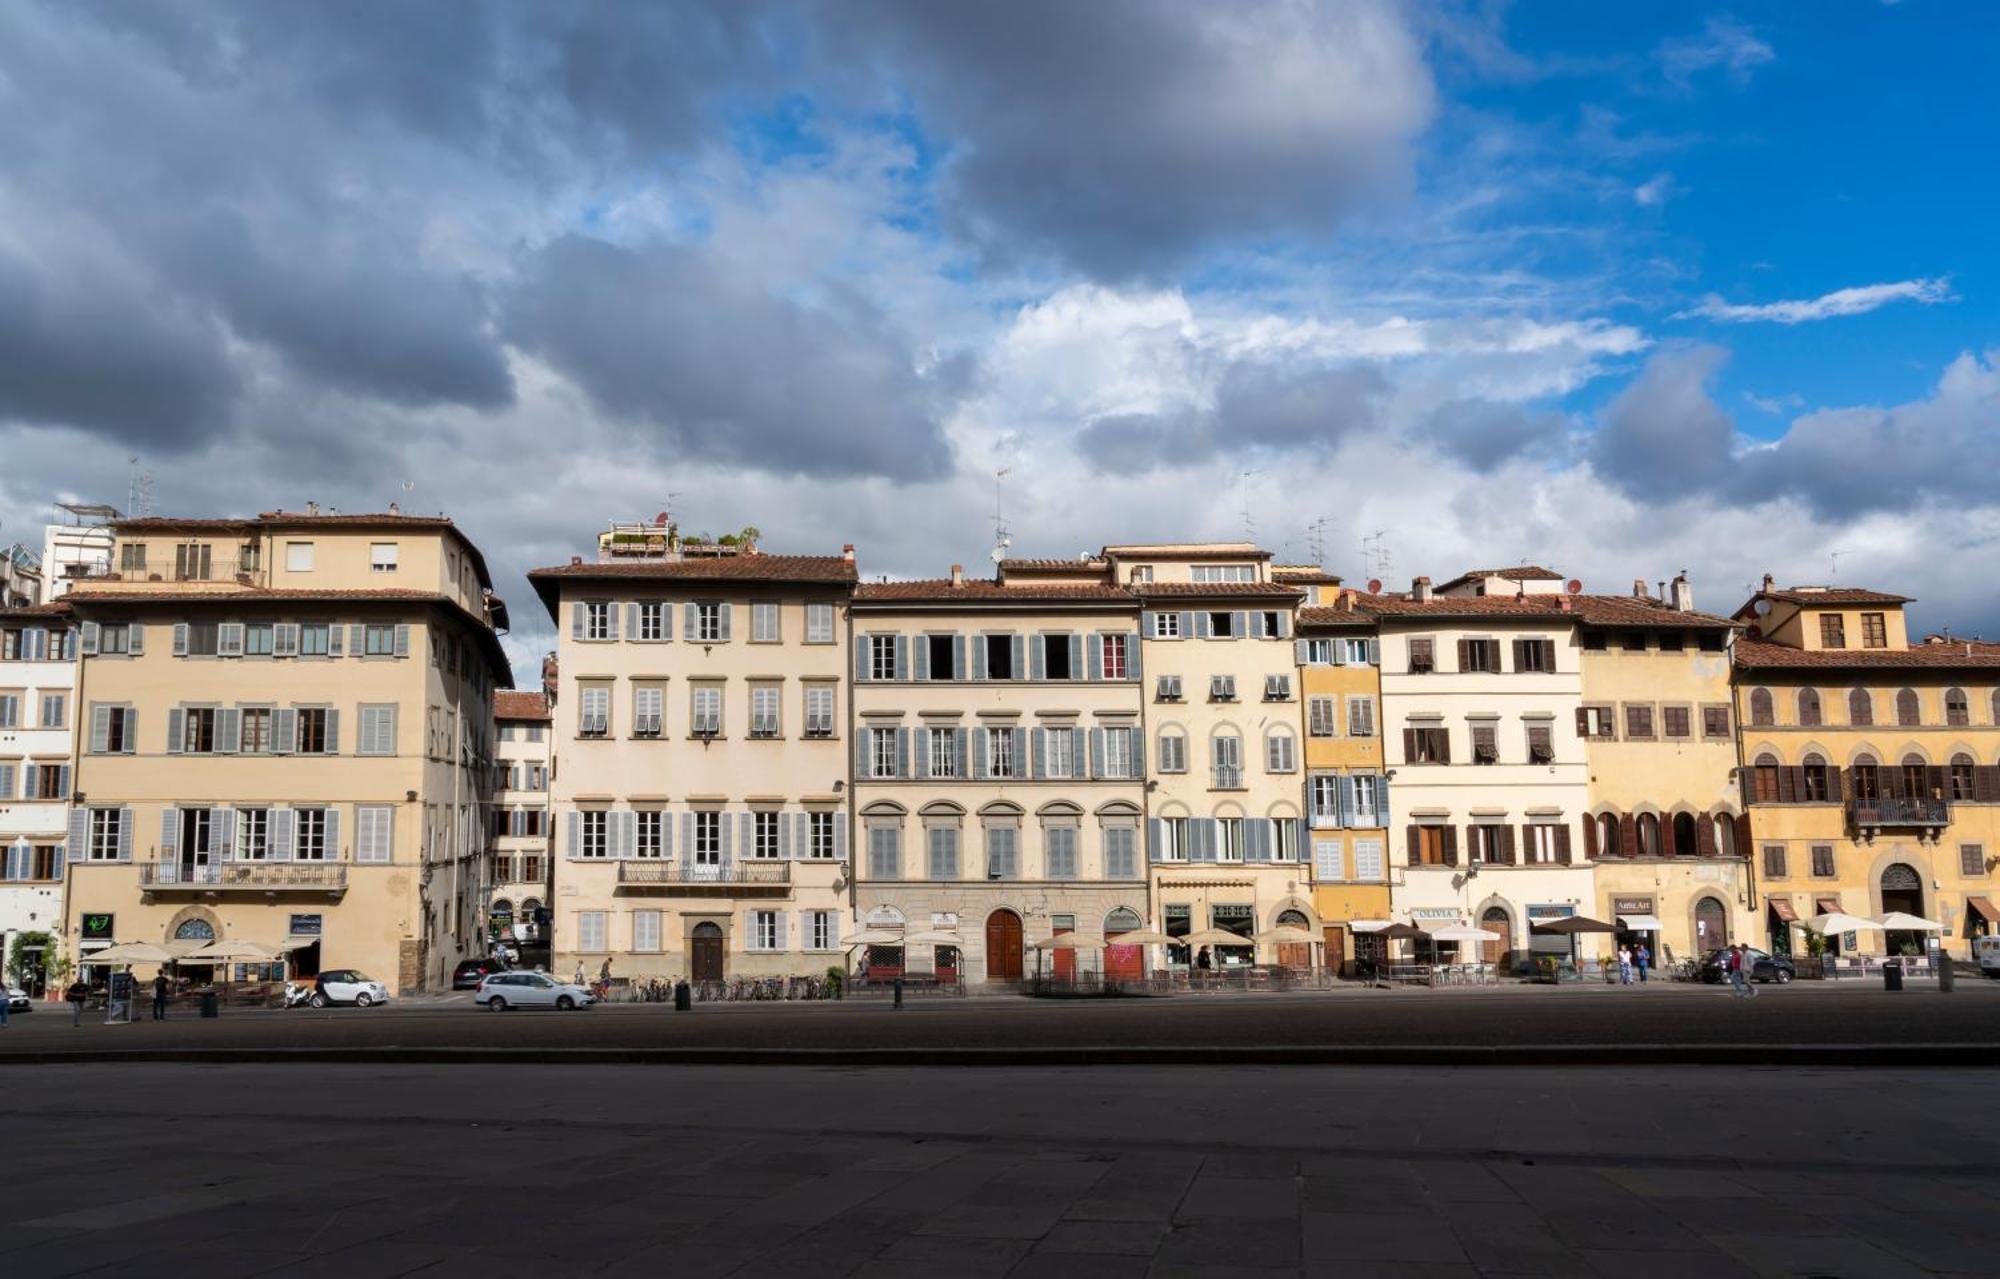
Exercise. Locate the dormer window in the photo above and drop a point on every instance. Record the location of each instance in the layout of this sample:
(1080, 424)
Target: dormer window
(1874, 630)
(1832, 630)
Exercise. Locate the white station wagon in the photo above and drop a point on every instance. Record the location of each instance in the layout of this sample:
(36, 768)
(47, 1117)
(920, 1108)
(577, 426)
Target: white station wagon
(501, 991)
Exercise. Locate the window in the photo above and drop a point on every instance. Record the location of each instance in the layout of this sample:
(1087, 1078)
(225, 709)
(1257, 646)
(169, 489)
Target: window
(1222, 688)
(378, 730)
(1316, 652)
(940, 656)
(108, 836)
(198, 730)
(1541, 744)
(1597, 723)
(1166, 625)
(1229, 839)
(1119, 750)
(1822, 861)
(764, 710)
(298, 557)
(1329, 862)
(705, 706)
(882, 657)
(1860, 707)
(1715, 722)
(709, 624)
(764, 622)
(1423, 659)
(1284, 839)
(1224, 573)
(819, 930)
(1360, 793)
(10, 710)
(1479, 655)
(381, 557)
(1638, 721)
(1832, 631)
(111, 729)
(1957, 711)
(648, 710)
(1971, 859)
(593, 710)
(1430, 745)
(1361, 717)
(1055, 657)
(1874, 630)
(314, 639)
(1059, 752)
(941, 848)
(1815, 779)
(651, 620)
(819, 623)
(1774, 861)
(259, 639)
(1173, 753)
(1320, 720)
(882, 752)
(942, 755)
(1280, 753)
(312, 835)
(646, 931)
(1000, 656)
(1633, 641)
(1002, 852)
(1674, 722)
(203, 639)
(1485, 744)
(1277, 688)
(1323, 799)
(1368, 859)
(1222, 625)
(379, 640)
(1909, 712)
(132, 557)
(820, 838)
(1809, 707)
(593, 833)
(1482, 844)
(1121, 852)
(55, 710)
(1961, 778)
(1226, 752)
(1672, 641)
(1537, 656)
(708, 837)
(1173, 842)
(819, 710)
(1113, 655)
(764, 835)
(1060, 851)
(374, 833)
(590, 931)
(192, 561)
(1168, 688)
(1000, 761)
(114, 638)
(1866, 773)
(1761, 713)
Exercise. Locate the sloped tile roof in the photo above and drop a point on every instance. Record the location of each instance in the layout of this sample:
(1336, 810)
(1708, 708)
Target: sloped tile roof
(1954, 654)
(940, 590)
(1628, 610)
(1335, 618)
(1305, 577)
(830, 569)
(1275, 591)
(1092, 568)
(1834, 595)
(520, 705)
(1518, 573)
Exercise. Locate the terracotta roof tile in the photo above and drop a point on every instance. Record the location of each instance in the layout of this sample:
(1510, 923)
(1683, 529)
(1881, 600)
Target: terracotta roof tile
(1961, 654)
(235, 594)
(1331, 618)
(1538, 606)
(1629, 610)
(1518, 573)
(983, 591)
(1092, 568)
(1833, 595)
(1304, 577)
(1187, 551)
(1218, 590)
(54, 608)
(520, 705)
(834, 570)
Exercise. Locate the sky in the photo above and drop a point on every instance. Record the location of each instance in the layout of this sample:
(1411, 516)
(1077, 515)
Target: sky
(1623, 290)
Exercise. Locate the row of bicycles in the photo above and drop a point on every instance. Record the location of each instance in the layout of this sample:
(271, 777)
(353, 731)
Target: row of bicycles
(659, 990)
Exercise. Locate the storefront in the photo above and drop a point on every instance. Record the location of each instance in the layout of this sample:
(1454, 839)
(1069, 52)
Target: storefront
(1636, 915)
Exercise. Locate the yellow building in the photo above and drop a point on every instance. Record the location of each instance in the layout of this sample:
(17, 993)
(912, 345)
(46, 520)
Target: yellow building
(285, 740)
(1869, 766)
(1346, 794)
(1665, 826)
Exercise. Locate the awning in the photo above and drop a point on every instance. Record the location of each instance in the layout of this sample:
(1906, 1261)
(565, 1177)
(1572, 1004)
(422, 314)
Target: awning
(1370, 925)
(1984, 909)
(1782, 908)
(1826, 905)
(1575, 924)
(1640, 923)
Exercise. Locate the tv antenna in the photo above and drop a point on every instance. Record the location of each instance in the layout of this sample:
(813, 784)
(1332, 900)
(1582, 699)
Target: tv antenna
(1316, 540)
(139, 491)
(1249, 525)
(1002, 537)
(1375, 553)
(1835, 557)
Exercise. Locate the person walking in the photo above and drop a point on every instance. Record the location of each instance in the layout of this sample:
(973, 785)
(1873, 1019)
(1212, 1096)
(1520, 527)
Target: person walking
(1624, 966)
(6, 1004)
(160, 995)
(1642, 959)
(1739, 977)
(77, 993)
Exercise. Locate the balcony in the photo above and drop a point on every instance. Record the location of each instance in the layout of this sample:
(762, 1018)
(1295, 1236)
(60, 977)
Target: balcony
(1228, 779)
(1922, 813)
(677, 878)
(244, 878)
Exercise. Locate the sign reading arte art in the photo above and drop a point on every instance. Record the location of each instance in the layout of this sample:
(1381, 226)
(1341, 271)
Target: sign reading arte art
(1632, 905)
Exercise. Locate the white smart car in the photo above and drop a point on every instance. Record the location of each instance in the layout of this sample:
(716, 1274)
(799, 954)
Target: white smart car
(346, 986)
(501, 991)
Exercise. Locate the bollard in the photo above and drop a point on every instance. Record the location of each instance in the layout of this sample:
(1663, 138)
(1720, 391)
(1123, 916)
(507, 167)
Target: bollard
(1892, 975)
(210, 1005)
(683, 997)
(1947, 979)
(899, 992)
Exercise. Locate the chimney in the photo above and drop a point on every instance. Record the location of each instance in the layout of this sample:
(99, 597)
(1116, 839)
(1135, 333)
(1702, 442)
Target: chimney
(575, 560)
(1420, 590)
(1639, 589)
(958, 575)
(847, 552)
(1769, 582)
(1565, 604)
(395, 508)
(1683, 593)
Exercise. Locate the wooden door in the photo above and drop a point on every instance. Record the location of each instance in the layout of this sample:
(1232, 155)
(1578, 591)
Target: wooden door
(1495, 921)
(1124, 963)
(1064, 961)
(1003, 946)
(1336, 948)
(1295, 954)
(705, 953)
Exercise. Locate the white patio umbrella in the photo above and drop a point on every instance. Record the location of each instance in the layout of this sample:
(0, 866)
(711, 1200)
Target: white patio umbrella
(131, 952)
(1068, 941)
(1901, 921)
(242, 952)
(933, 937)
(1286, 935)
(872, 937)
(1464, 932)
(1139, 937)
(1836, 921)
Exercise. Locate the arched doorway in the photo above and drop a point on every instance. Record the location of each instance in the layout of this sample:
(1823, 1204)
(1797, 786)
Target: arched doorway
(1123, 963)
(1003, 946)
(705, 952)
(1902, 889)
(1494, 919)
(1711, 925)
(191, 932)
(1294, 954)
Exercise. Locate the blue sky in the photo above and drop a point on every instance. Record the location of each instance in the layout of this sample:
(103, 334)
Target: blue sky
(1622, 289)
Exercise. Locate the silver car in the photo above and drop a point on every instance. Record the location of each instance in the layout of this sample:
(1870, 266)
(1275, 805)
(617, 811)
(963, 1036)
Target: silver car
(501, 991)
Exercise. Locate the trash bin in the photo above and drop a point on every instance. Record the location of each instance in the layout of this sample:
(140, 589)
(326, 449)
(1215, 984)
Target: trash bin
(1892, 975)
(211, 1004)
(1947, 979)
(683, 997)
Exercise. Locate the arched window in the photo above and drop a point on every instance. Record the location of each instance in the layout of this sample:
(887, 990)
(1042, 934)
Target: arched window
(1725, 835)
(1280, 751)
(1122, 920)
(194, 930)
(1760, 707)
(1649, 835)
(1867, 776)
(1860, 708)
(1916, 777)
(1815, 771)
(1809, 707)
(1908, 713)
(1293, 919)
(1765, 782)
(1607, 835)
(1684, 837)
(1957, 711)
(1225, 753)
(1961, 777)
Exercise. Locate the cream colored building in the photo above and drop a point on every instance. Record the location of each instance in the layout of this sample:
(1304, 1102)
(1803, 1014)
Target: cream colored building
(523, 877)
(1481, 681)
(285, 739)
(700, 798)
(1666, 826)
(998, 771)
(37, 736)
(1226, 843)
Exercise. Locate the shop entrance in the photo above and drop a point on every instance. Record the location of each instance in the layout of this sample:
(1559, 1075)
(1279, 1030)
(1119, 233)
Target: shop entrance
(1003, 946)
(1903, 890)
(1123, 963)
(1711, 926)
(705, 957)
(1335, 948)
(1495, 920)
(1294, 954)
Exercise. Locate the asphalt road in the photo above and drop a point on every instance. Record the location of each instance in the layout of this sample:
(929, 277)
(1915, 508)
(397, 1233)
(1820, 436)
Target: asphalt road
(357, 1171)
(1663, 1018)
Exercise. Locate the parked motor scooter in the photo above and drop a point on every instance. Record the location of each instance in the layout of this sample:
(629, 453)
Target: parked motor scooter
(297, 996)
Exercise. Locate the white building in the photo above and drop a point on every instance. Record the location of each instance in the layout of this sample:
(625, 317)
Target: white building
(518, 907)
(37, 721)
(77, 546)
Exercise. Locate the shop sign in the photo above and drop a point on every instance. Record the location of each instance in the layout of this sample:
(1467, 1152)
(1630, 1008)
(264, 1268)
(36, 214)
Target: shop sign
(1434, 912)
(1537, 914)
(1631, 905)
(305, 925)
(944, 919)
(97, 927)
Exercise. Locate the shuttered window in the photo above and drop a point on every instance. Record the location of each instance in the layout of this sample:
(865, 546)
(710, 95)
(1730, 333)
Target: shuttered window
(378, 730)
(1774, 861)
(1822, 861)
(1971, 859)
(1319, 716)
(1674, 722)
(1423, 658)
(1361, 717)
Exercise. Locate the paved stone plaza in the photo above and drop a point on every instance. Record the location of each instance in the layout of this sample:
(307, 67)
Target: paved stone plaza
(359, 1171)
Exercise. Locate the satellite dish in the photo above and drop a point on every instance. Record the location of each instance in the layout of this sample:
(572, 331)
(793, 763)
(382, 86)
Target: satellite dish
(1574, 586)
(1374, 586)
(997, 554)
(1761, 608)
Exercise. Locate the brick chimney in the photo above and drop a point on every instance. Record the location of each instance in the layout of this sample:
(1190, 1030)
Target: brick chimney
(1683, 593)
(958, 575)
(1420, 590)
(847, 552)
(1639, 589)
(1770, 582)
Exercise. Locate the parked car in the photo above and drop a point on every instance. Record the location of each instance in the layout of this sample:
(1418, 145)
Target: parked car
(18, 1001)
(1764, 966)
(501, 991)
(1987, 951)
(471, 972)
(346, 986)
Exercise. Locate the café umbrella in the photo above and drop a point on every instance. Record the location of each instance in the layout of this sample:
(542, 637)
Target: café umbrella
(1573, 927)
(1903, 922)
(131, 952)
(1835, 921)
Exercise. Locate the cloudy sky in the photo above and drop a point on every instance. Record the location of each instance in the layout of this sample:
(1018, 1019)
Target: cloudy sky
(1619, 289)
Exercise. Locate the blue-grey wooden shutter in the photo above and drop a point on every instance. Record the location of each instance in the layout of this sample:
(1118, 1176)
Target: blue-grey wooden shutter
(958, 657)
(690, 620)
(666, 620)
(284, 730)
(748, 821)
(79, 834)
(572, 835)
(923, 657)
(666, 835)
(1200, 630)
(722, 622)
(125, 834)
(902, 657)
(632, 620)
(357, 641)
(170, 832)
(1284, 625)
(1075, 656)
(1186, 627)
(861, 671)
(976, 652)
(135, 638)
(1301, 839)
(840, 834)
(1093, 658)
(1344, 801)
(1020, 748)
(403, 635)
(1374, 652)
(1156, 839)
(611, 620)
(961, 761)
(1299, 650)
(1257, 839)
(722, 833)
(281, 834)
(332, 832)
(1041, 748)
(332, 732)
(687, 839)
(89, 639)
(333, 640)
(903, 752)
(1018, 645)
(176, 729)
(579, 613)
(1239, 626)
(786, 851)
(222, 833)
(979, 752)
(1381, 784)
(180, 639)
(861, 752)
(1097, 761)
(1037, 666)
(228, 730)
(28, 776)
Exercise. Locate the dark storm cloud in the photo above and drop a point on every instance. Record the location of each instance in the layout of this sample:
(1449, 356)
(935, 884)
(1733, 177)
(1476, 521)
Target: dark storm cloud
(729, 372)
(1285, 411)
(1664, 438)
(1485, 433)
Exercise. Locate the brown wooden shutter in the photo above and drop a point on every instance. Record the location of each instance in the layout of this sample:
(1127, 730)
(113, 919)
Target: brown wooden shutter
(1409, 746)
(1507, 844)
(1451, 845)
(1986, 783)
(1742, 834)
(1562, 844)
(1666, 834)
(1464, 655)
(1833, 788)
(1548, 654)
(1589, 837)
(1582, 723)
(1791, 784)
(1416, 856)
(1628, 835)
(1940, 782)
(1746, 778)
(1443, 745)
(1704, 835)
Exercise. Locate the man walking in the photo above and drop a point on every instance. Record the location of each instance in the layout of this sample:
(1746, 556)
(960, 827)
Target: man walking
(1641, 960)
(160, 995)
(77, 993)
(1739, 979)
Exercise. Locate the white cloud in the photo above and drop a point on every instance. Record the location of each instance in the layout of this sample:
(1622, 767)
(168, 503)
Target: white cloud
(1723, 43)
(1852, 301)
(1655, 191)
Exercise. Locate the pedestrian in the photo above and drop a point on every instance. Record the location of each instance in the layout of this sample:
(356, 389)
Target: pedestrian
(1739, 977)
(1642, 959)
(6, 1004)
(1201, 959)
(1624, 965)
(77, 993)
(578, 980)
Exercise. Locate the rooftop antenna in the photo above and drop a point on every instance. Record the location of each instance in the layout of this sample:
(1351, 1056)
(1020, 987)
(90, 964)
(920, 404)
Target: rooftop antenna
(1316, 540)
(1375, 553)
(1835, 557)
(1249, 525)
(139, 491)
(1002, 537)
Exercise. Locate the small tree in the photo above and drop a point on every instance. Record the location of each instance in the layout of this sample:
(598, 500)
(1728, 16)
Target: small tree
(35, 955)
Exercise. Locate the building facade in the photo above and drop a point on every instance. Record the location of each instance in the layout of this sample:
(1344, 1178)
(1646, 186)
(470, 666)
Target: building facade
(284, 739)
(700, 800)
(998, 769)
(1871, 768)
(38, 649)
(518, 908)
(1346, 787)
(1666, 829)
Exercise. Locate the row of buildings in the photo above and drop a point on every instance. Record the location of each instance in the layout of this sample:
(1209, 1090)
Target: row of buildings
(296, 734)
